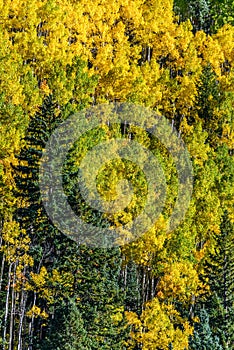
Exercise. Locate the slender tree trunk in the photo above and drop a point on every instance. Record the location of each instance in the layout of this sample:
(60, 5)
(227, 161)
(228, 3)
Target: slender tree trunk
(147, 287)
(22, 313)
(2, 271)
(149, 54)
(152, 287)
(143, 289)
(7, 306)
(31, 324)
(12, 317)
(138, 289)
(125, 276)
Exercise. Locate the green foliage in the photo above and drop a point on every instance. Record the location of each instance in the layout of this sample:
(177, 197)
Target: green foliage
(198, 12)
(61, 268)
(222, 13)
(209, 101)
(58, 57)
(207, 15)
(220, 272)
(203, 338)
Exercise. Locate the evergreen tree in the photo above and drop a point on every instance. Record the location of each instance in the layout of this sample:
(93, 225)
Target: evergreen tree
(203, 338)
(206, 15)
(222, 13)
(197, 11)
(209, 92)
(76, 336)
(220, 271)
(62, 268)
(209, 100)
(67, 330)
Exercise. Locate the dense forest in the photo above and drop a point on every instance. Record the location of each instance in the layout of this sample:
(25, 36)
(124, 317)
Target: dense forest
(162, 290)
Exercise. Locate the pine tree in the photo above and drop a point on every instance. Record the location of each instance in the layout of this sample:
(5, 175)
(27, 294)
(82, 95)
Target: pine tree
(67, 330)
(220, 271)
(222, 13)
(210, 96)
(198, 12)
(62, 268)
(203, 338)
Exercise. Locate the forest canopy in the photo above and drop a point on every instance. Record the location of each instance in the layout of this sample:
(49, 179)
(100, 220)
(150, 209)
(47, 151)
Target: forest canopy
(162, 290)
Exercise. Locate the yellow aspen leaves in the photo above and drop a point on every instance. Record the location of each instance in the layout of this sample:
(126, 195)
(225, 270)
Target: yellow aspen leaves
(157, 327)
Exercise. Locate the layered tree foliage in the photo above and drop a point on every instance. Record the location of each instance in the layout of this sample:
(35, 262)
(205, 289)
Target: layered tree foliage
(219, 271)
(203, 336)
(162, 290)
(207, 15)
